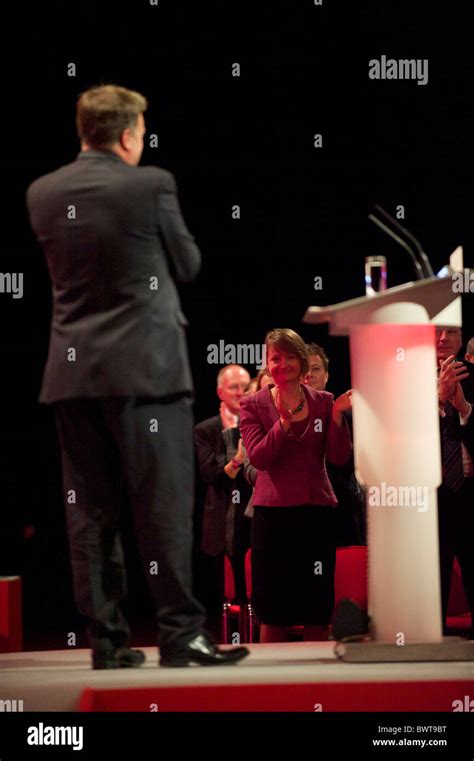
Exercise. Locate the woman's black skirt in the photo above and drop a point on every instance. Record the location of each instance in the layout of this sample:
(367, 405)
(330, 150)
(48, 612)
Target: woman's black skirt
(293, 564)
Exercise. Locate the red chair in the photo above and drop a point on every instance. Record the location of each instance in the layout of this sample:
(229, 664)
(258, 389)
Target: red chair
(252, 627)
(351, 582)
(231, 613)
(11, 627)
(350, 579)
(458, 617)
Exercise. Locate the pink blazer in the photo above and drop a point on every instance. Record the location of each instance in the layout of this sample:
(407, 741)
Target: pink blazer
(291, 469)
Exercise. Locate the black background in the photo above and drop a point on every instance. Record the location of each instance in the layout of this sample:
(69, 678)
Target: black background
(228, 140)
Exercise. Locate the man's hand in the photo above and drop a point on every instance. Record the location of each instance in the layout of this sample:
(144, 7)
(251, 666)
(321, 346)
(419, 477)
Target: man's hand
(459, 400)
(232, 468)
(241, 454)
(341, 404)
(451, 372)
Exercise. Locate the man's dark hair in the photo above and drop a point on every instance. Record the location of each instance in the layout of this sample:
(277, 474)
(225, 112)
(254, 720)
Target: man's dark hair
(319, 351)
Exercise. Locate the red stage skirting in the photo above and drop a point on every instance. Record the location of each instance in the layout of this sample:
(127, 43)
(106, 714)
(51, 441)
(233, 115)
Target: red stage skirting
(430, 696)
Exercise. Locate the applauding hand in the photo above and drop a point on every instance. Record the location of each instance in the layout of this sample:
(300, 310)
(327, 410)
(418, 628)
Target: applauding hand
(342, 404)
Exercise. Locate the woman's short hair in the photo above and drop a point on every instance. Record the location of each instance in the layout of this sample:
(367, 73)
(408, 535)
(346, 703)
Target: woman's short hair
(290, 342)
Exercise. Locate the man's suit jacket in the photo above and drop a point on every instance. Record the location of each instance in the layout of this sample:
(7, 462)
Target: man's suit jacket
(214, 448)
(291, 470)
(466, 433)
(114, 241)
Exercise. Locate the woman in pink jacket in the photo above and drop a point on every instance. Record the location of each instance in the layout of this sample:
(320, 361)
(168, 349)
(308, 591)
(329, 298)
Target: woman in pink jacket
(288, 430)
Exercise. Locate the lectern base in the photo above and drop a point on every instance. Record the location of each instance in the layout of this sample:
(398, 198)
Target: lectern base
(450, 649)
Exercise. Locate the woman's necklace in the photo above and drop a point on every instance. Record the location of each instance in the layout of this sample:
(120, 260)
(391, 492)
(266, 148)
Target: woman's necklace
(300, 405)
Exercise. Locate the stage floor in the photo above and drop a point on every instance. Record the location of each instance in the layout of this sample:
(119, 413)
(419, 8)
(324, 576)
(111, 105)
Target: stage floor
(295, 676)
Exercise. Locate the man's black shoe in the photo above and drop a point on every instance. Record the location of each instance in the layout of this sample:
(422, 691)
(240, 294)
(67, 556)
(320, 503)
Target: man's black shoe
(123, 657)
(202, 651)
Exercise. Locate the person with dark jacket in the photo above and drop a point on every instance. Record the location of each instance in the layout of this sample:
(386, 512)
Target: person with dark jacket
(118, 376)
(456, 493)
(221, 459)
(350, 515)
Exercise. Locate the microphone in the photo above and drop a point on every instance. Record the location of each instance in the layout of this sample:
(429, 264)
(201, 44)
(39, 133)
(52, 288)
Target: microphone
(422, 264)
(418, 268)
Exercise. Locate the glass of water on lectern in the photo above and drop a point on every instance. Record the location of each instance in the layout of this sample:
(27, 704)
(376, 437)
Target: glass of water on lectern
(375, 274)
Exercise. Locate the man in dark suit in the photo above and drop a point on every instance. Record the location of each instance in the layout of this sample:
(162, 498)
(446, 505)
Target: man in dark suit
(456, 493)
(118, 376)
(220, 455)
(350, 518)
(469, 355)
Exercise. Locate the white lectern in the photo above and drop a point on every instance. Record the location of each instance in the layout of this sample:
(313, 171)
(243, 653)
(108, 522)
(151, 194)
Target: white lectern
(398, 459)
